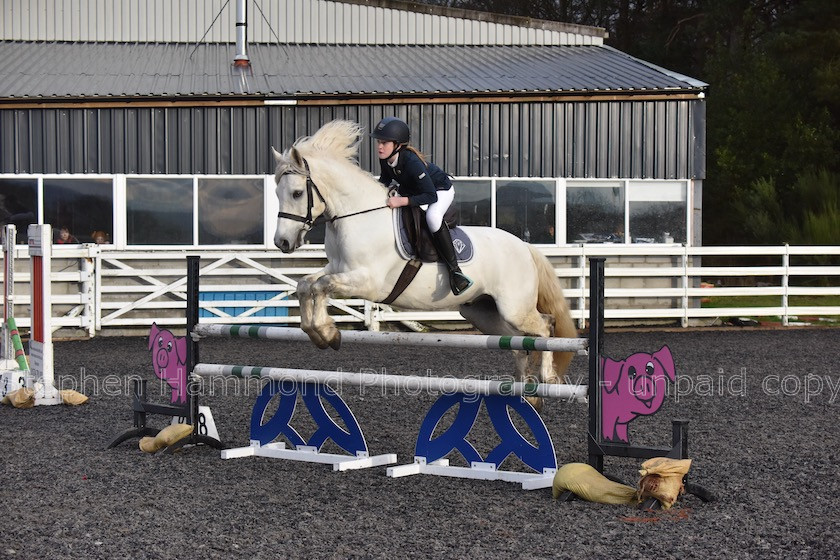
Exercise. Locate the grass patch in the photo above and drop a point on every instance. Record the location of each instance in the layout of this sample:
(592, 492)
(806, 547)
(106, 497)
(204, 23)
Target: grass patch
(722, 302)
(770, 301)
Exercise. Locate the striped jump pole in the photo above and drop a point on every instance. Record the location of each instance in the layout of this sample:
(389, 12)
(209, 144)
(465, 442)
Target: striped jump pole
(13, 367)
(40, 337)
(407, 383)
(468, 341)
(7, 353)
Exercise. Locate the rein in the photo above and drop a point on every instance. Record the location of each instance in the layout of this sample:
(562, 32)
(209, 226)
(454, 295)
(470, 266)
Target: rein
(307, 220)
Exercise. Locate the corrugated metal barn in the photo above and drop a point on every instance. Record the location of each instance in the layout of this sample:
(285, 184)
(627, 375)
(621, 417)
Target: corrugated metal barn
(133, 119)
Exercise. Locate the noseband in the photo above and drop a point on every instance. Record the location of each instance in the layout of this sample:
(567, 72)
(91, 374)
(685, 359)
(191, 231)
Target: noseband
(307, 220)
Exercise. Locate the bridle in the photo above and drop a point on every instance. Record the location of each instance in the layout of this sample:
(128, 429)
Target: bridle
(311, 187)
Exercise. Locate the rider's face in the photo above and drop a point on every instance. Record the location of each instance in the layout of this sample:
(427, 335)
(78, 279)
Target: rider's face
(385, 148)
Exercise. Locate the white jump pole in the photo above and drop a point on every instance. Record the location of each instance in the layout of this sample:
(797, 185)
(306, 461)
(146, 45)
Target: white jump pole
(7, 354)
(40, 336)
(407, 383)
(399, 338)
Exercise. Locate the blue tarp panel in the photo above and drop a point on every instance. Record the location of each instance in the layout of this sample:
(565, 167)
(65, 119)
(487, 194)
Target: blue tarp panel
(241, 296)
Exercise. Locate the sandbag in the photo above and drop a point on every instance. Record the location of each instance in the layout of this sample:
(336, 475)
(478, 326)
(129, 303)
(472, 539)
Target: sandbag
(662, 478)
(173, 433)
(20, 398)
(71, 397)
(586, 482)
(166, 437)
(149, 444)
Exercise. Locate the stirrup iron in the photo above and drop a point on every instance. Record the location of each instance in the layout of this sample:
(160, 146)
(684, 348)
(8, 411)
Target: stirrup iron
(459, 282)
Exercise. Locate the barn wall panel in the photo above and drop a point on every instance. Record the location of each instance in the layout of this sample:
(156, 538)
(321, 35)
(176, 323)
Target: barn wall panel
(649, 139)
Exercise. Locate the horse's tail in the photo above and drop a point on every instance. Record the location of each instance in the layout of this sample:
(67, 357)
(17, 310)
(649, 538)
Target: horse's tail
(551, 301)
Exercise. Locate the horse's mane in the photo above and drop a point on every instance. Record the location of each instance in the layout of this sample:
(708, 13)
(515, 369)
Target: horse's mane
(337, 142)
(339, 139)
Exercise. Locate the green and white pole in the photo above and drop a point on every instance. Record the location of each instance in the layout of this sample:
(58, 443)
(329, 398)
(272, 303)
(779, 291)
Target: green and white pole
(14, 379)
(7, 360)
(446, 340)
(14, 335)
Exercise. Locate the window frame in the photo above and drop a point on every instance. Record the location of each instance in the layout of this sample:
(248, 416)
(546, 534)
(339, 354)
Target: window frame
(270, 204)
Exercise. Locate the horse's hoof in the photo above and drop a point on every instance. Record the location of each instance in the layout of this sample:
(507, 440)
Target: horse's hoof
(335, 341)
(536, 402)
(317, 340)
(320, 343)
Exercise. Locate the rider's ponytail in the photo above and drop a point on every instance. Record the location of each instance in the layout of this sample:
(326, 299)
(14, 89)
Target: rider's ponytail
(414, 150)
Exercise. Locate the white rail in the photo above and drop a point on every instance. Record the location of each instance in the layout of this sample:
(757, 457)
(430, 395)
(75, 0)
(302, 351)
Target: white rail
(410, 383)
(125, 291)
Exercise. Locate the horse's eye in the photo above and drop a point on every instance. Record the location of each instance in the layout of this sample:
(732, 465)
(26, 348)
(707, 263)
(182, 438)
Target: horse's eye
(297, 194)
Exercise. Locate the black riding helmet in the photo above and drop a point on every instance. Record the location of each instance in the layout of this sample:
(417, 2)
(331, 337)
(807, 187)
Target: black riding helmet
(391, 129)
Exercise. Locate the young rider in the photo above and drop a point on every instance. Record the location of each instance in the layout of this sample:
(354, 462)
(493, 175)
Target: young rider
(418, 183)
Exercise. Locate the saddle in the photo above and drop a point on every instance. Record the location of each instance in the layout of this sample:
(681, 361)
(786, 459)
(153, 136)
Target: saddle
(415, 245)
(415, 241)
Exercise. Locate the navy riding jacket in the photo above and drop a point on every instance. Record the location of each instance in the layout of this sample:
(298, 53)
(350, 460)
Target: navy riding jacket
(414, 179)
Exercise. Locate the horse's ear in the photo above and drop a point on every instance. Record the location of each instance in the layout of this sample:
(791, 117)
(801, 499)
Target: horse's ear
(297, 159)
(278, 157)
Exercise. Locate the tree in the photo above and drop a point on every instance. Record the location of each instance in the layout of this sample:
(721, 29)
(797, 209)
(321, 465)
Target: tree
(773, 109)
(772, 124)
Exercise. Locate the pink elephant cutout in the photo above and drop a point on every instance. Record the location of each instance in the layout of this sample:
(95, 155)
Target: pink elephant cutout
(169, 357)
(631, 388)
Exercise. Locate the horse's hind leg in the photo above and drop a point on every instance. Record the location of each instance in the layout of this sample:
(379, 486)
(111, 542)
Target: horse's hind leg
(484, 315)
(540, 324)
(511, 320)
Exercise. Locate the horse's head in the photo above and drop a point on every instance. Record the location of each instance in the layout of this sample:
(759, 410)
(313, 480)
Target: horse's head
(300, 201)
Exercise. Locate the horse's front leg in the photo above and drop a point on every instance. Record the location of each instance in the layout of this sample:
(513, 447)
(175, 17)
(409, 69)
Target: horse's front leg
(343, 284)
(306, 300)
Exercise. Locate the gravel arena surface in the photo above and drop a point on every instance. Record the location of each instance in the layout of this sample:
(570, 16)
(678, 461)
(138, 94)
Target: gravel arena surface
(762, 404)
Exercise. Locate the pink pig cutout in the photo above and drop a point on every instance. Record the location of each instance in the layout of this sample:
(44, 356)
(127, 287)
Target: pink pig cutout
(169, 357)
(631, 388)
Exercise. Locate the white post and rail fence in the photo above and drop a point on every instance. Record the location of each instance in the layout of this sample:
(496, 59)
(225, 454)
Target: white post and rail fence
(99, 291)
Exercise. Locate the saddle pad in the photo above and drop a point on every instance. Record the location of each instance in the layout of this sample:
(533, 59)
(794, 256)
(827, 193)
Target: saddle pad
(460, 241)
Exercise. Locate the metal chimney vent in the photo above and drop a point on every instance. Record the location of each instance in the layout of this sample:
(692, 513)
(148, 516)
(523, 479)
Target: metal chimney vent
(241, 59)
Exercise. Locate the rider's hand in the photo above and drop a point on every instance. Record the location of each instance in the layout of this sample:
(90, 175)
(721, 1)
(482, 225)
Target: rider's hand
(397, 201)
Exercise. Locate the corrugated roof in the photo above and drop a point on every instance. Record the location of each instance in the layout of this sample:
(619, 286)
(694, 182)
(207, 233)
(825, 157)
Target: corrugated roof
(38, 70)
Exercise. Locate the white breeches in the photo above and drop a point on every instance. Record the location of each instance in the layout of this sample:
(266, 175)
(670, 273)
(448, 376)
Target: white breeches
(436, 210)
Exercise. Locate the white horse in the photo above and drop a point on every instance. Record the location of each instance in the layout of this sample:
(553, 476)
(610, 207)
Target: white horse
(515, 293)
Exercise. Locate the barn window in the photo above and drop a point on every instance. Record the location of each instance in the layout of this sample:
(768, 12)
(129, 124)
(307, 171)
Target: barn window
(657, 212)
(473, 200)
(526, 208)
(230, 211)
(19, 205)
(159, 211)
(81, 205)
(595, 212)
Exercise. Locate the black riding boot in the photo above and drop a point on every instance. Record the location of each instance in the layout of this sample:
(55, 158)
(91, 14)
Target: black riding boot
(458, 281)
